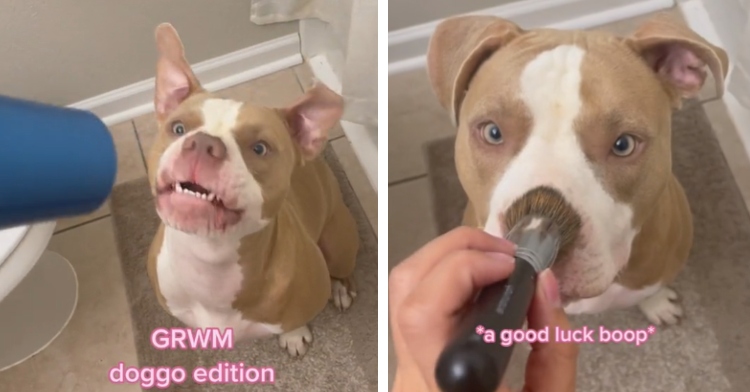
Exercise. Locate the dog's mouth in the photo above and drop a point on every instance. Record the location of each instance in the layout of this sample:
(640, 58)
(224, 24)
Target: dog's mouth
(192, 191)
(192, 207)
(197, 191)
(188, 195)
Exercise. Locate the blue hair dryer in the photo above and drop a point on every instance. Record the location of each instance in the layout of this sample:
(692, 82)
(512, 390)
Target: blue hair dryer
(54, 162)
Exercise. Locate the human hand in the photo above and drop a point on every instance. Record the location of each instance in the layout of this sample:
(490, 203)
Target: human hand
(428, 293)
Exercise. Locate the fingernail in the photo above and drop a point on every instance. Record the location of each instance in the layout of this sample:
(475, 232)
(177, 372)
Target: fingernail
(502, 257)
(551, 288)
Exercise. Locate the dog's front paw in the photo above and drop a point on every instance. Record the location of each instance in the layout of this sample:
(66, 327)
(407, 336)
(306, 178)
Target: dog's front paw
(342, 294)
(578, 307)
(661, 308)
(296, 341)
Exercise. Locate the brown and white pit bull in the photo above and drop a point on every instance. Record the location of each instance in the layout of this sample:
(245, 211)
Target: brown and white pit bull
(589, 114)
(255, 235)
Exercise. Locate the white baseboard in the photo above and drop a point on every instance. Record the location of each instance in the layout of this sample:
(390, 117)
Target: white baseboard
(364, 141)
(698, 19)
(215, 74)
(407, 47)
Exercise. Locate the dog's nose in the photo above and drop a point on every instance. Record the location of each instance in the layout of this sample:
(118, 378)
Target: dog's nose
(203, 143)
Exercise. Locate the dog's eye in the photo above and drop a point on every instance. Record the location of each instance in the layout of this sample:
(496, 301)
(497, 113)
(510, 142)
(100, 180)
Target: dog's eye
(492, 134)
(624, 146)
(178, 128)
(260, 149)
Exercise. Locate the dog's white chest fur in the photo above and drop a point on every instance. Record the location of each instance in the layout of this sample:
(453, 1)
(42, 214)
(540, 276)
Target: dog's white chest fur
(199, 279)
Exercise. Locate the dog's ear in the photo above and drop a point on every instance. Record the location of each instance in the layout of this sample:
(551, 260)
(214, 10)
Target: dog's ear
(678, 55)
(175, 80)
(311, 117)
(457, 49)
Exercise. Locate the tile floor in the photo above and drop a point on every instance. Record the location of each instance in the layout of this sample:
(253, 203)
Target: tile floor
(416, 118)
(100, 333)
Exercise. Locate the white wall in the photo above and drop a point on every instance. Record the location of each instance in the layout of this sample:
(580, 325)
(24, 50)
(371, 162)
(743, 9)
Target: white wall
(405, 13)
(64, 51)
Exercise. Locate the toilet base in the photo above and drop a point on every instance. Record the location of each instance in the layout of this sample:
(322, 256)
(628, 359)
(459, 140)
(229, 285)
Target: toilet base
(37, 310)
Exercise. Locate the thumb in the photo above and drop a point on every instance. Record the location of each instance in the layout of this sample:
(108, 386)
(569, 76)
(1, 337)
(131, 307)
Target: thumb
(551, 366)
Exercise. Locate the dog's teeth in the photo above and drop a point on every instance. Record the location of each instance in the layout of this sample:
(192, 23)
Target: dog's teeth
(200, 195)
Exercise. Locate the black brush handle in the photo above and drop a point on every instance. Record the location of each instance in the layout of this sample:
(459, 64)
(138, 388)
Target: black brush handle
(468, 364)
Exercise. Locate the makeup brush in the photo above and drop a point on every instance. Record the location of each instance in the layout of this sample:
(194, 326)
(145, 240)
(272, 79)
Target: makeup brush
(543, 225)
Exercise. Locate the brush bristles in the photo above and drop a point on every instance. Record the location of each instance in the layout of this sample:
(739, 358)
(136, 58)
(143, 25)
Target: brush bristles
(547, 203)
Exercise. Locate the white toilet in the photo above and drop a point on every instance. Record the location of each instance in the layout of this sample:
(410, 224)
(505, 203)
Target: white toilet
(38, 292)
